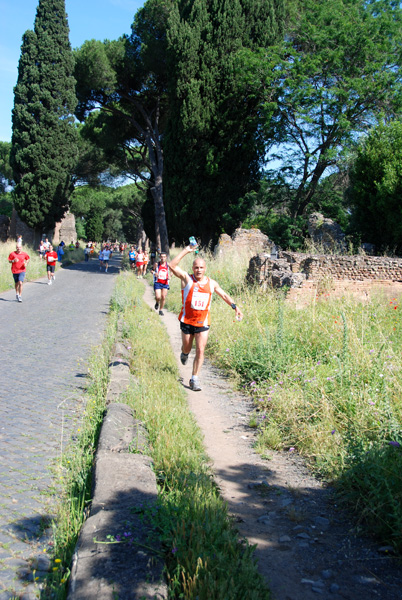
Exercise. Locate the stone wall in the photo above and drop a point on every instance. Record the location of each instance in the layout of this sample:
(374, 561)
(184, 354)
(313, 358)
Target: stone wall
(18, 227)
(317, 275)
(65, 229)
(355, 268)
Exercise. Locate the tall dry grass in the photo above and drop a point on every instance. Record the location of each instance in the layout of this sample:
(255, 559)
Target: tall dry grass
(326, 382)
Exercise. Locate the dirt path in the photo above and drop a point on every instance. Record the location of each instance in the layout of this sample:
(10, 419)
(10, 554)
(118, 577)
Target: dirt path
(306, 546)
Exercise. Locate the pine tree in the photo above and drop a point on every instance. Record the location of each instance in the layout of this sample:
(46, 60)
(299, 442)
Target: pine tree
(121, 89)
(212, 147)
(44, 140)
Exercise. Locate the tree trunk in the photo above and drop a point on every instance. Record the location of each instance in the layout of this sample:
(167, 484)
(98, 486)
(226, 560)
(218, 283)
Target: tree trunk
(156, 159)
(303, 195)
(157, 235)
(162, 241)
(142, 240)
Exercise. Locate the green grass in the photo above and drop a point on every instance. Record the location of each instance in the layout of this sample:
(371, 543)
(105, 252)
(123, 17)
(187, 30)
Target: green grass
(326, 381)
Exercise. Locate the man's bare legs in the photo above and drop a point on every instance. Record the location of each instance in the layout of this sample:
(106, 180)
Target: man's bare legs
(18, 288)
(162, 298)
(201, 340)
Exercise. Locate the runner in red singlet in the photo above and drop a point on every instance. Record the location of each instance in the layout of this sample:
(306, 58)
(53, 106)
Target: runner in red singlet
(139, 263)
(197, 290)
(161, 282)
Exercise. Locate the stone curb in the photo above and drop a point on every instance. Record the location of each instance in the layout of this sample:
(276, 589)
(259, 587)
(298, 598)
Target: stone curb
(123, 566)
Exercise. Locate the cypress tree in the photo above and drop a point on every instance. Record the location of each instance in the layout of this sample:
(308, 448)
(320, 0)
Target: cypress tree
(212, 147)
(44, 140)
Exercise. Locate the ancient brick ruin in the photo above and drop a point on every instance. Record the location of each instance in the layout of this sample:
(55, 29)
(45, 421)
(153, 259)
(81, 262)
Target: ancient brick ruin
(63, 230)
(312, 276)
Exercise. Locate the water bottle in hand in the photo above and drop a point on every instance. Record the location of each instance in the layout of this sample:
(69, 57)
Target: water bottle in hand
(193, 243)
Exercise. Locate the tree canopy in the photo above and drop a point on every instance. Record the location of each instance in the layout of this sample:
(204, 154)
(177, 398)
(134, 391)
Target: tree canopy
(123, 84)
(336, 71)
(212, 144)
(108, 213)
(376, 187)
(6, 172)
(6, 176)
(44, 138)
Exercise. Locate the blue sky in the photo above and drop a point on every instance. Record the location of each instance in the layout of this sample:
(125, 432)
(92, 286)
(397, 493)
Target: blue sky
(88, 19)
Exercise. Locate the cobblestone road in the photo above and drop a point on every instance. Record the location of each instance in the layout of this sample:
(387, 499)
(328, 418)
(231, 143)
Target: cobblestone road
(45, 341)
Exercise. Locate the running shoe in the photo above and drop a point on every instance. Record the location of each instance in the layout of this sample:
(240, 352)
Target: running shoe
(161, 313)
(16, 297)
(19, 299)
(49, 282)
(156, 305)
(195, 385)
(183, 358)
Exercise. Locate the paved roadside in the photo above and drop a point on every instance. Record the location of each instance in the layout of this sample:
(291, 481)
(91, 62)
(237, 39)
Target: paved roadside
(45, 342)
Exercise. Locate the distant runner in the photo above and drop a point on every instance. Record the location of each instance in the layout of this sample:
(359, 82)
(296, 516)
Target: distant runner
(106, 257)
(131, 257)
(101, 258)
(42, 250)
(18, 261)
(139, 262)
(197, 290)
(161, 282)
(145, 265)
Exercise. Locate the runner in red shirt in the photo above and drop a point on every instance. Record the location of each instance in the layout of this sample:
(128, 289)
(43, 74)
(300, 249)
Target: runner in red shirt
(51, 260)
(197, 290)
(18, 261)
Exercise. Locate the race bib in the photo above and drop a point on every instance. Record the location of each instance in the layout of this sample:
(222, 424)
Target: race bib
(162, 274)
(199, 301)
